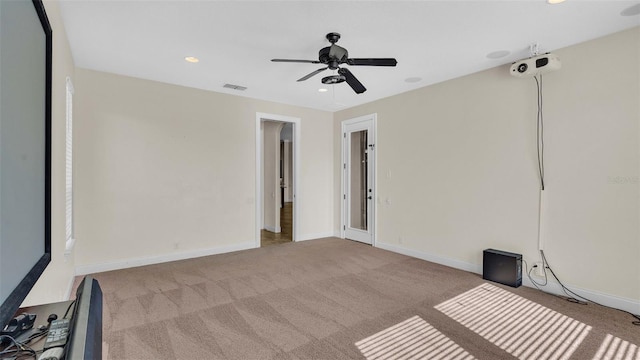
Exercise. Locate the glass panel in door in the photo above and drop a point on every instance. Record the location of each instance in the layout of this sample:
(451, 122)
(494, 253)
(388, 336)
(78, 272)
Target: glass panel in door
(358, 176)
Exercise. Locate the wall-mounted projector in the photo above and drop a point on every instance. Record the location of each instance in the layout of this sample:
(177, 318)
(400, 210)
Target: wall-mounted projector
(535, 65)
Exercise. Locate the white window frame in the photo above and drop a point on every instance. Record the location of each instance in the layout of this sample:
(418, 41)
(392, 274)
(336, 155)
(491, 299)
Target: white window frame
(69, 218)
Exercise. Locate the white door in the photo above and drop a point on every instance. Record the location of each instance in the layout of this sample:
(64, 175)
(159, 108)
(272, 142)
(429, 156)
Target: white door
(358, 154)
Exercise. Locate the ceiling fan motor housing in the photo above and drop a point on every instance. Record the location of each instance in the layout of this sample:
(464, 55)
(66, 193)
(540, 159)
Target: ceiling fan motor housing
(325, 58)
(323, 54)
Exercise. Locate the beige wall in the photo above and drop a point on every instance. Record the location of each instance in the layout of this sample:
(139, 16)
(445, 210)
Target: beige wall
(457, 168)
(165, 171)
(55, 282)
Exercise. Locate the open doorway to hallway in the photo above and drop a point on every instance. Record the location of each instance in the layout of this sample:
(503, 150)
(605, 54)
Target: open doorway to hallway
(277, 170)
(282, 198)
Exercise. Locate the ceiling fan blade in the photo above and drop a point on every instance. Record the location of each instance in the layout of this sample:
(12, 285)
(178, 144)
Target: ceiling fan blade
(338, 52)
(373, 62)
(352, 81)
(313, 73)
(296, 61)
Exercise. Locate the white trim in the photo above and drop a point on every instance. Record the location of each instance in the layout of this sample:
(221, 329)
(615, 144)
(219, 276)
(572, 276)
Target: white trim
(150, 260)
(297, 141)
(613, 301)
(276, 229)
(315, 236)
(552, 287)
(457, 264)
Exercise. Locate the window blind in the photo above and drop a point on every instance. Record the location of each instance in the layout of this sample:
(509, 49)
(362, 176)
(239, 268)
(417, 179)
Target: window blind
(69, 166)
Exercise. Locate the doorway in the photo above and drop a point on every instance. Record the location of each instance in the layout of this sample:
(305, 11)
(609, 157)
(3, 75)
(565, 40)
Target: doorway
(277, 169)
(358, 179)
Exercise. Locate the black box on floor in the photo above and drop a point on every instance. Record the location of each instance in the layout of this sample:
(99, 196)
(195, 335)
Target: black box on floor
(502, 267)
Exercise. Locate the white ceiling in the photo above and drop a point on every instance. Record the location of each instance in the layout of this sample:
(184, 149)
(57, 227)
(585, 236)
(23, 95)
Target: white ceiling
(235, 41)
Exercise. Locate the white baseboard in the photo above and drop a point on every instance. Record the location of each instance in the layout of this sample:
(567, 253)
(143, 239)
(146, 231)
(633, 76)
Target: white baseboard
(306, 237)
(141, 261)
(552, 287)
(276, 229)
(613, 301)
(457, 264)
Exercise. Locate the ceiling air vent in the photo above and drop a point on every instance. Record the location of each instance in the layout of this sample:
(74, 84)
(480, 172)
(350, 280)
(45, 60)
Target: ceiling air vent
(235, 87)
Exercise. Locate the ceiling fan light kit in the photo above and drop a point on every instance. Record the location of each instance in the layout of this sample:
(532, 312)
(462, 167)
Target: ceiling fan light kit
(333, 56)
(333, 79)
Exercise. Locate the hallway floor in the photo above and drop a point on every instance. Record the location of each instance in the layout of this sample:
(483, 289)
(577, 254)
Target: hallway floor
(286, 224)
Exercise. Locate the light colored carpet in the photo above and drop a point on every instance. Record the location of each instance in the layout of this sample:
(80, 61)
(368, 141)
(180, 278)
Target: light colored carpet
(338, 299)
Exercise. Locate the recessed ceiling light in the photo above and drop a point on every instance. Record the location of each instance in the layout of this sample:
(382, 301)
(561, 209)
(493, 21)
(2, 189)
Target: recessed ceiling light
(322, 90)
(414, 79)
(631, 11)
(554, 1)
(191, 59)
(498, 54)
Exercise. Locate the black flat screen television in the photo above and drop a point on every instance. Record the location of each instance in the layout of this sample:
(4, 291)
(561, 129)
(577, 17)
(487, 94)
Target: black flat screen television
(25, 150)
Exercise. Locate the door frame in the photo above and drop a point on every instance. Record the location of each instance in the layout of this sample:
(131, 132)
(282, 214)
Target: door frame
(261, 117)
(344, 213)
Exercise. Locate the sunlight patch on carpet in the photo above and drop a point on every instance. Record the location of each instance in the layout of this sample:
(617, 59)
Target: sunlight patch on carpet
(615, 348)
(521, 327)
(413, 338)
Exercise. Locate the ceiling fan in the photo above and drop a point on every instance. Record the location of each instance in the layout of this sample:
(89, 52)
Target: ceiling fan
(333, 56)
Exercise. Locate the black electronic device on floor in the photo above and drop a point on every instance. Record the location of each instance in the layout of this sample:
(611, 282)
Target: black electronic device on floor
(18, 325)
(502, 267)
(58, 333)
